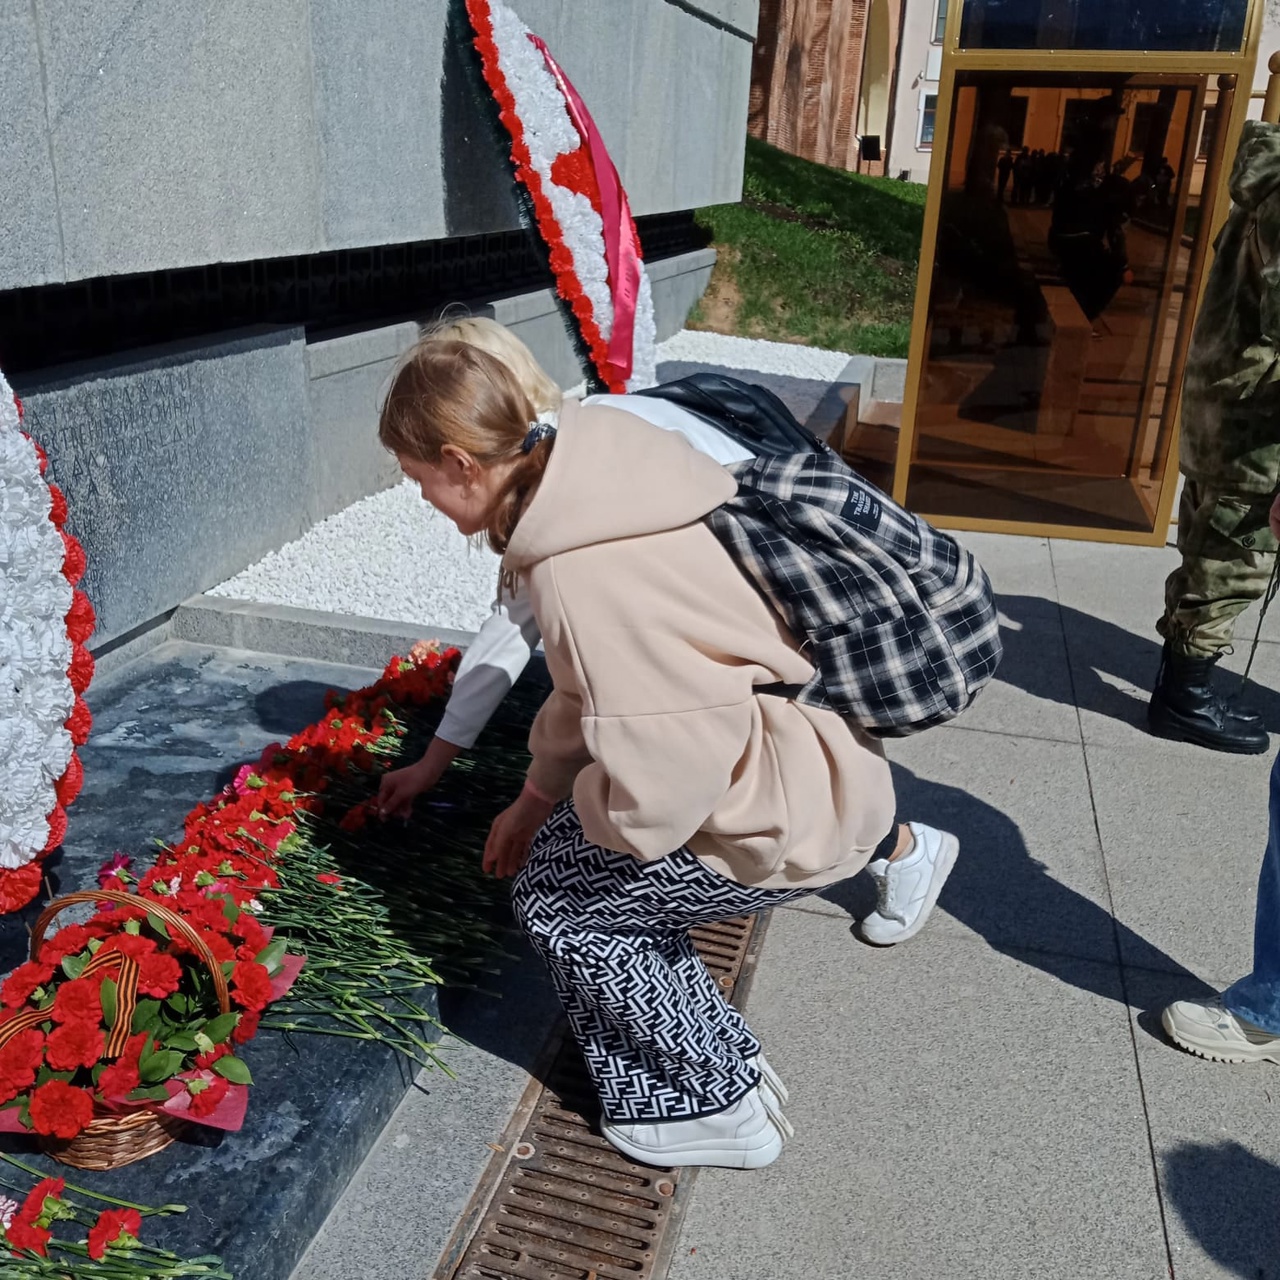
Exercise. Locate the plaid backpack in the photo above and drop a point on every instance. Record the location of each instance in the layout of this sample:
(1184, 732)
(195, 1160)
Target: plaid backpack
(897, 618)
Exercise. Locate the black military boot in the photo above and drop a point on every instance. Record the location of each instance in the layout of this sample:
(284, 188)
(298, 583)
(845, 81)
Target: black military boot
(1185, 706)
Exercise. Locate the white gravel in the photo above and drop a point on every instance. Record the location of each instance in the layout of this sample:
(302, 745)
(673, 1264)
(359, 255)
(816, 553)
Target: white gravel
(754, 353)
(390, 556)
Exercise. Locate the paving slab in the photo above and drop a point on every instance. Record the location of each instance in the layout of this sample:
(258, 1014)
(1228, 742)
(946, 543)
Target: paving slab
(1215, 1131)
(1183, 832)
(1030, 873)
(1121, 583)
(397, 1213)
(958, 1113)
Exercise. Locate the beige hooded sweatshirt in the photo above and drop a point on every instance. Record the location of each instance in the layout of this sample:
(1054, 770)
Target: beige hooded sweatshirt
(656, 644)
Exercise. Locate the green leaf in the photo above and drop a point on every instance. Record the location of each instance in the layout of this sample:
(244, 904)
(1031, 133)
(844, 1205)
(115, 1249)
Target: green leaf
(219, 1028)
(182, 1040)
(132, 927)
(196, 1087)
(109, 1004)
(74, 966)
(95, 945)
(156, 1093)
(146, 1016)
(179, 1003)
(157, 924)
(160, 1066)
(231, 1068)
(272, 955)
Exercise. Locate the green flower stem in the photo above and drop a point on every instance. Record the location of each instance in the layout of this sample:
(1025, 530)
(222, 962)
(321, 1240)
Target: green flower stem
(145, 1210)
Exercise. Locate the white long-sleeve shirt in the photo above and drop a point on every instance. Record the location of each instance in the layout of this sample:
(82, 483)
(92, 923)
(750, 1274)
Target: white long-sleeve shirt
(509, 635)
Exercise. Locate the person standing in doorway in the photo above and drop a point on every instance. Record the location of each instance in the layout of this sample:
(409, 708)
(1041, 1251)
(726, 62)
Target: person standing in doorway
(1004, 168)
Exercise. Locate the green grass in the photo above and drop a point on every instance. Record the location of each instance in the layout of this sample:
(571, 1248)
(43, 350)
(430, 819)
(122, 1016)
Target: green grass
(814, 255)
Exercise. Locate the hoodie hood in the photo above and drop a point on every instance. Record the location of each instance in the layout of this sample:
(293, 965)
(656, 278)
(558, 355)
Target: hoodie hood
(1256, 173)
(612, 475)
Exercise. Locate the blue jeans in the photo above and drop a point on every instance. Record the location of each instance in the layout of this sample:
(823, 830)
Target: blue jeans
(1257, 997)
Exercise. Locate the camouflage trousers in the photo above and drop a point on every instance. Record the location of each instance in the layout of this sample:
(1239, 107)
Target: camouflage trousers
(1228, 551)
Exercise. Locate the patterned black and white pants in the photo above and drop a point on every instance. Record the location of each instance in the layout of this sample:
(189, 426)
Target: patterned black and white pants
(659, 1039)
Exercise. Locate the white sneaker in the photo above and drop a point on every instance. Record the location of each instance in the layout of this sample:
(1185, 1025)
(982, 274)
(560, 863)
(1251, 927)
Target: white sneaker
(1210, 1030)
(909, 887)
(773, 1093)
(742, 1137)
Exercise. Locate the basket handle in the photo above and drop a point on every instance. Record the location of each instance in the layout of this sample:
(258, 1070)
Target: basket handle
(169, 916)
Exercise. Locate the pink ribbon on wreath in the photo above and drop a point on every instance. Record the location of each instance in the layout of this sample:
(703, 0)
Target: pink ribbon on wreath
(621, 251)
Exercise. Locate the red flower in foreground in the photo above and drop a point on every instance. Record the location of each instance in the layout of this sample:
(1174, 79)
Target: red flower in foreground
(205, 1102)
(247, 1027)
(25, 1232)
(327, 877)
(22, 982)
(159, 975)
(122, 1076)
(19, 886)
(19, 1061)
(59, 1111)
(22, 1235)
(79, 1001)
(250, 985)
(66, 942)
(75, 1044)
(111, 1225)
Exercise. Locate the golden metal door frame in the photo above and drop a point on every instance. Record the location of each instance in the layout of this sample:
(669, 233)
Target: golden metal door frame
(1239, 65)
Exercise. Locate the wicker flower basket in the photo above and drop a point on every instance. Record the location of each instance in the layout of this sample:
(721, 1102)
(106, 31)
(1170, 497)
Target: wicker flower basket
(114, 1139)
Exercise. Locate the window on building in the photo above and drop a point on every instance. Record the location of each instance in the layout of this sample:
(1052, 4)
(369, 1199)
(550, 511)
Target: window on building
(941, 25)
(928, 118)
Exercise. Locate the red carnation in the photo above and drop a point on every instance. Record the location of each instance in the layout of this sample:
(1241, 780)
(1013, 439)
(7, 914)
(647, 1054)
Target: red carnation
(159, 975)
(133, 945)
(81, 619)
(73, 564)
(19, 886)
(122, 1076)
(80, 672)
(250, 985)
(19, 1061)
(79, 1001)
(29, 1228)
(58, 512)
(205, 1102)
(247, 1027)
(59, 1111)
(22, 1235)
(57, 829)
(66, 942)
(80, 722)
(69, 786)
(75, 1044)
(111, 1225)
(22, 982)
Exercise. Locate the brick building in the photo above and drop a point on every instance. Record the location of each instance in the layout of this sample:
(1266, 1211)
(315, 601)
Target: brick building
(823, 79)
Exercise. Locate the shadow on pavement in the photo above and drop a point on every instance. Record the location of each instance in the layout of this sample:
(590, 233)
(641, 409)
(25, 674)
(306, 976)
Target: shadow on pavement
(1011, 900)
(1101, 649)
(1226, 1198)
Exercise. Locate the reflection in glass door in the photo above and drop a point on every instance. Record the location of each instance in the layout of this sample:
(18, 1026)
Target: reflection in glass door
(1070, 227)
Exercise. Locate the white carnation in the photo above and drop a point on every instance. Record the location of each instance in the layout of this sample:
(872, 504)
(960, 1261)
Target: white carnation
(35, 691)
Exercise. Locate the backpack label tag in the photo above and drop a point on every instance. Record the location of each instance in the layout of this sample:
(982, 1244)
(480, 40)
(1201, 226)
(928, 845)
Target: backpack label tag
(863, 509)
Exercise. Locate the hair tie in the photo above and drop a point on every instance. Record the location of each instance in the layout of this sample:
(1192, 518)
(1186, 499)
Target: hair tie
(537, 431)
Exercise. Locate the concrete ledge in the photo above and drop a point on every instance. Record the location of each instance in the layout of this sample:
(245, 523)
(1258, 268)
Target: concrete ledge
(328, 356)
(301, 633)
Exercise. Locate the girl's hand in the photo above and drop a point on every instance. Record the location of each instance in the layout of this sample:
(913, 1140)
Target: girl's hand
(507, 848)
(400, 788)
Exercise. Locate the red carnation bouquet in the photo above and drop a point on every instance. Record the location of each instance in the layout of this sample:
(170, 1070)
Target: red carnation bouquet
(141, 1007)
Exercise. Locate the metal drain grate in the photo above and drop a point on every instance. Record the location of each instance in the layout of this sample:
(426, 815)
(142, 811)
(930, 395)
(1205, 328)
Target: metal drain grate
(558, 1202)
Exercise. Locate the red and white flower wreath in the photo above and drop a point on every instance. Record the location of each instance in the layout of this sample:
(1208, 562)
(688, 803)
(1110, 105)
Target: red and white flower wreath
(578, 199)
(44, 665)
